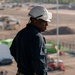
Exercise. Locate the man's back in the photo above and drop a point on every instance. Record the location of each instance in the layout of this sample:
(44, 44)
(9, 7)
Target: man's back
(25, 49)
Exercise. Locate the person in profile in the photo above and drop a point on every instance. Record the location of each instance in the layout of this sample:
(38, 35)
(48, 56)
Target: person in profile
(28, 47)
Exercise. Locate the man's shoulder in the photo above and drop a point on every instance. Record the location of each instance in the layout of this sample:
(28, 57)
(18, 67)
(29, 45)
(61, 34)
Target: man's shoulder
(39, 36)
(20, 32)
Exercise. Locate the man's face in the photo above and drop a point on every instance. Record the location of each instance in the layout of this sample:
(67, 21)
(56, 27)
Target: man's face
(42, 25)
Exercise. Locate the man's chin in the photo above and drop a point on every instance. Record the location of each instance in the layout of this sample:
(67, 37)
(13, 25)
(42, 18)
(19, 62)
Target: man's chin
(42, 30)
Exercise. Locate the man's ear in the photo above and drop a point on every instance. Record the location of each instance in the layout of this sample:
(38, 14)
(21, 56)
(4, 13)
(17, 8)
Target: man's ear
(36, 21)
(33, 20)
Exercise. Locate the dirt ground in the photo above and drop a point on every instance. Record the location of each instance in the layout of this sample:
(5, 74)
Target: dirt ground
(68, 60)
(67, 18)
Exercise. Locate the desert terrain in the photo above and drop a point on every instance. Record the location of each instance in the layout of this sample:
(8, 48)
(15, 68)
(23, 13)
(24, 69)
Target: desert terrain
(66, 19)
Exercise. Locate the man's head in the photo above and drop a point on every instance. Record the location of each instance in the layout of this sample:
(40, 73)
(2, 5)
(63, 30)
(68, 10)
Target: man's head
(40, 17)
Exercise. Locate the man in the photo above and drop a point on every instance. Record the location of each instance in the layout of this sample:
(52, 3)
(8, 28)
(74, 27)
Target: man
(7, 25)
(28, 47)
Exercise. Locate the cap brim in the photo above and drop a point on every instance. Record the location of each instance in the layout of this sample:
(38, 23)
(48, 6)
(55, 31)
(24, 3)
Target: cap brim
(48, 20)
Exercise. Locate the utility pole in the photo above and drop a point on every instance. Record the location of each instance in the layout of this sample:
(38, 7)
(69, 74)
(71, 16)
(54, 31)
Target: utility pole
(57, 2)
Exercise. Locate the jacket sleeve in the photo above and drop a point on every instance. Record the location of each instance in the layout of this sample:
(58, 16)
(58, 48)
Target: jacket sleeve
(13, 48)
(38, 55)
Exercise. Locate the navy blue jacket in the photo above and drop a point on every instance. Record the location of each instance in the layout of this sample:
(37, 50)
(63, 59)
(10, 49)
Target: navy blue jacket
(28, 50)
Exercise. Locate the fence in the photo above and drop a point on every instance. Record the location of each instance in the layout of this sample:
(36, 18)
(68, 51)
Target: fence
(67, 46)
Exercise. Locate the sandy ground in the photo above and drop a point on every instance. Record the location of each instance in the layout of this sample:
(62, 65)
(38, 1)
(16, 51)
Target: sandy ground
(68, 60)
(67, 18)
